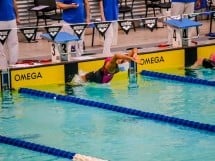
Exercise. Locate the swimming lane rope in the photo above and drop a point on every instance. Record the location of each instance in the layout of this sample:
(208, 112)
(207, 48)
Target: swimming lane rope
(177, 78)
(125, 110)
(46, 149)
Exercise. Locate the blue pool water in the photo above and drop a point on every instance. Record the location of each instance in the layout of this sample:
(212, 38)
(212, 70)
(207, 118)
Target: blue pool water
(107, 134)
(207, 74)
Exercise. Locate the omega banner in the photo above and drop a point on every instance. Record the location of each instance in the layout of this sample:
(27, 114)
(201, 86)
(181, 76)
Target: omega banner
(162, 60)
(37, 76)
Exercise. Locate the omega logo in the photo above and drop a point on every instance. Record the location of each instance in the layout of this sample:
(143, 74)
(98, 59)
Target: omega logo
(152, 60)
(28, 76)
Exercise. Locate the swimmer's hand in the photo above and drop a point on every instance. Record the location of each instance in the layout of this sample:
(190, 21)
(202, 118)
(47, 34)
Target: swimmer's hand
(135, 56)
(138, 61)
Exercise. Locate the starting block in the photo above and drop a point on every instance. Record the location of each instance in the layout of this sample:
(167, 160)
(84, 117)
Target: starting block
(5, 80)
(180, 28)
(60, 49)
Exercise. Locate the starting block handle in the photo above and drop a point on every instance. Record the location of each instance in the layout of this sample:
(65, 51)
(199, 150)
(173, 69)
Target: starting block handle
(132, 74)
(5, 80)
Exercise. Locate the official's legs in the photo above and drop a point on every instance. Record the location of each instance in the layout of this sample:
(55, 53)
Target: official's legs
(111, 37)
(189, 8)
(115, 33)
(80, 45)
(108, 40)
(177, 9)
(10, 50)
(12, 43)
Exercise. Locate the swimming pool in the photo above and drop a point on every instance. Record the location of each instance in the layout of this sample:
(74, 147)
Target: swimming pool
(107, 134)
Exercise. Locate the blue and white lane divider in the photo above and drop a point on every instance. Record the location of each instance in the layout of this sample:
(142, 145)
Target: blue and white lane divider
(125, 110)
(47, 150)
(177, 78)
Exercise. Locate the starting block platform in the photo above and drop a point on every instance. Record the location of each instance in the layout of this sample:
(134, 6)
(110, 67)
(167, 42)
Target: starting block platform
(60, 48)
(180, 27)
(183, 23)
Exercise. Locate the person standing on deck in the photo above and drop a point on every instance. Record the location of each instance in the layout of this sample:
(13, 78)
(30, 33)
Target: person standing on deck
(179, 8)
(9, 19)
(109, 12)
(74, 12)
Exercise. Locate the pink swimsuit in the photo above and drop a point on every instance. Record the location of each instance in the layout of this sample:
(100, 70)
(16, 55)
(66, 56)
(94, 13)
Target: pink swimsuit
(102, 75)
(107, 77)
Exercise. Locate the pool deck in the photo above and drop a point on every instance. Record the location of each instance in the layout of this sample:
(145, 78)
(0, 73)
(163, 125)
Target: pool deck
(147, 40)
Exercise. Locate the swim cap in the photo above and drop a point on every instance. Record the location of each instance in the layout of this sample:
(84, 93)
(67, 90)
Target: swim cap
(123, 66)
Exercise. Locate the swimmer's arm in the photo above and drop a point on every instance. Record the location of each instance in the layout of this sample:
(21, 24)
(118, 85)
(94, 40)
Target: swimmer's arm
(125, 57)
(111, 65)
(122, 56)
(193, 67)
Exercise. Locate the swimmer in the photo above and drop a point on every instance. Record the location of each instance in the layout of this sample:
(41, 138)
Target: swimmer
(112, 65)
(204, 62)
